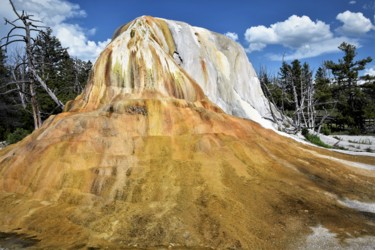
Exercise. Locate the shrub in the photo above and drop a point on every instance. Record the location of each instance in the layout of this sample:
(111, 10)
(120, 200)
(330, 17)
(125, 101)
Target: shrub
(17, 135)
(314, 139)
(369, 150)
(354, 131)
(305, 132)
(326, 130)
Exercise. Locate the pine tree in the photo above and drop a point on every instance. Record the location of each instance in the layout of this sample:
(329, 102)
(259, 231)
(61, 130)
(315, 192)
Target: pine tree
(12, 115)
(323, 90)
(284, 80)
(53, 63)
(351, 101)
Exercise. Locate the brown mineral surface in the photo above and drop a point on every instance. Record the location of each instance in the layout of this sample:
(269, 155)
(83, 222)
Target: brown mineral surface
(143, 159)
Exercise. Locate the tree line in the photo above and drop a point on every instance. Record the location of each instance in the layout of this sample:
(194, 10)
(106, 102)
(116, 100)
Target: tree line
(36, 77)
(336, 95)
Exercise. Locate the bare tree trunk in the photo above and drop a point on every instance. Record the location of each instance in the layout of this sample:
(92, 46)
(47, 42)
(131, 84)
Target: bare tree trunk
(20, 87)
(270, 101)
(45, 87)
(296, 106)
(27, 27)
(35, 107)
(32, 69)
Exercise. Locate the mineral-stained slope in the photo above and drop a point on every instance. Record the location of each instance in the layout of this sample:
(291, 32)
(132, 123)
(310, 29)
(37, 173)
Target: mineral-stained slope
(143, 159)
(153, 53)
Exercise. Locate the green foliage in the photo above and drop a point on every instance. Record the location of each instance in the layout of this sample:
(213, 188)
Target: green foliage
(351, 101)
(325, 130)
(341, 101)
(314, 139)
(17, 135)
(64, 75)
(323, 90)
(354, 131)
(55, 67)
(305, 132)
(271, 88)
(11, 114)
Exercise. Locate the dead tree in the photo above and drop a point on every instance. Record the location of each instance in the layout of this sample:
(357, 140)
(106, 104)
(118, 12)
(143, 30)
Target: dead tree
(28, 25)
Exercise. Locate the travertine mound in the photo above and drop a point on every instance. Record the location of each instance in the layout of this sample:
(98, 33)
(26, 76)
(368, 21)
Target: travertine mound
(143, 159)
(173, 57)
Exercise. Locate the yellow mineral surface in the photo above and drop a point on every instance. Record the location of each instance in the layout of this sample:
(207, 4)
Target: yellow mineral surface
(142, 159)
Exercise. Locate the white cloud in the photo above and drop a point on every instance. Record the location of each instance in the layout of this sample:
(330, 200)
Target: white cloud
(370, 71)
(255, 47)
(232, 35)
(302, 37)
(73, 37)
(51, 12)
(315, 49)
(55, 14)
(295, 32)
(352, 2)
(354, 23)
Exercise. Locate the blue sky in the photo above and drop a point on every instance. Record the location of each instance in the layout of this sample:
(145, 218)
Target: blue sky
(269, 30)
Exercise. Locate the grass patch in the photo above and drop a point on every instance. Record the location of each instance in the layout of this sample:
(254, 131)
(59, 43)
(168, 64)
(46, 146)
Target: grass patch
(314, 139)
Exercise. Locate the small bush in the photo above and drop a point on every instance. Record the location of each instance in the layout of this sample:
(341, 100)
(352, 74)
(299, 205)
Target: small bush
(305, 132)
(369, 150)
(326, 130)
(354, 131)
(17, 135)
(314, 139)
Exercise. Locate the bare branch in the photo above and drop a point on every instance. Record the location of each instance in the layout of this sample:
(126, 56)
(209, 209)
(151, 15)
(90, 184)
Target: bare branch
(13, 41)
(19, 65)
(15, 27)
(34, 20)
(8, 92)
(36, 26)
(17, 35)
(11, 23)
(14, 10)
(14, 82)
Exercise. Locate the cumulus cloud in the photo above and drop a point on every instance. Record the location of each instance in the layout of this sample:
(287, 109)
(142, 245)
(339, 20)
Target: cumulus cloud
(295, 32)
(315, 49)
(55, 14)
(354, 23)
(302, 37)
(51, 12)
(232, 35)
(370, 71)
(73, 37)
(352, 2)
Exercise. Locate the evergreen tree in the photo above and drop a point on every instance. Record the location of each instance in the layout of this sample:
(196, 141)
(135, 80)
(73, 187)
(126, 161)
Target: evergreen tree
(297, 80)
(284, 79)
(54, 65)
(3, 68)
(12, 115)
(3, 100)
(323, 90)
(368, 88)
(351, 100)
